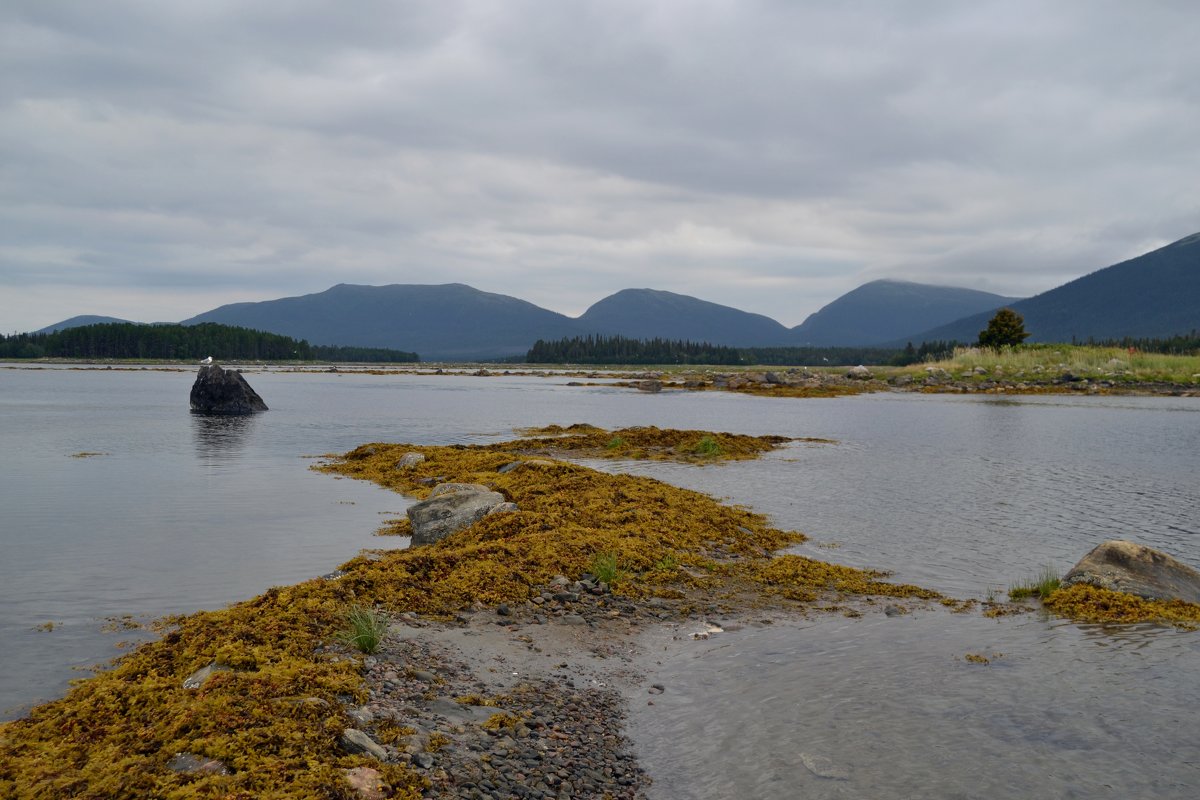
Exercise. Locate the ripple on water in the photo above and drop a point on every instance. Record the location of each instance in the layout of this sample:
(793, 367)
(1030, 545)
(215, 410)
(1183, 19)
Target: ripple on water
(889, 707)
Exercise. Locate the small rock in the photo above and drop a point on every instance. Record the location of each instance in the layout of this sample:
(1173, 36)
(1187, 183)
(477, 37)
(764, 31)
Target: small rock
(367, 783)
(409, 460)
(504, 508)
(423, 760)
(894, 611)
(193, 764)
(503, 610)
(355, 742)
(656, 688)
(200, 676)
(573, 619)
(360, 716)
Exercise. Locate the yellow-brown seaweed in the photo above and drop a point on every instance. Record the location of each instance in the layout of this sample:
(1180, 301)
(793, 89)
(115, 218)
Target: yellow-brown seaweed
(274, 718)
(1085, 603)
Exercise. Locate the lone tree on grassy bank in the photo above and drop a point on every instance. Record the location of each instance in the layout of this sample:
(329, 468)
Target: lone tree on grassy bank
(1006, 328)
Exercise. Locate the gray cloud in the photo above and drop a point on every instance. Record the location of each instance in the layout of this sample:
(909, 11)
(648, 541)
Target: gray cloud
(769, 155)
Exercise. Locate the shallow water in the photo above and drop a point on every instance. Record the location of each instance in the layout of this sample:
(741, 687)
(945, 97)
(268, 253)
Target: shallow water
(888, 707)
(963, 494)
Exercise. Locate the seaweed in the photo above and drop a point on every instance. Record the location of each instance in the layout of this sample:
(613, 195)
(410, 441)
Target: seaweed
(1085, 603)
(273, 718)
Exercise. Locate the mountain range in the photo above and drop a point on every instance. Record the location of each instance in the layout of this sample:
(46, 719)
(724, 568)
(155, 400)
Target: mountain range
(453, 321)
(1156, 294)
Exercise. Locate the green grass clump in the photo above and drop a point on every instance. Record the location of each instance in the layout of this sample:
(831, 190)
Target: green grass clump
(364, 629)
(707, 447)
(615, 443)
(1046, 582)
(607, 568)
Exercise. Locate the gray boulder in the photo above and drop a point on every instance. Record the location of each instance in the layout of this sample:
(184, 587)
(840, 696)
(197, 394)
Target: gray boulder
(224, 391)
(450, 488)
(409, 460)
(859, 373)
(448, 511)
(1136, 569)
(651, 386)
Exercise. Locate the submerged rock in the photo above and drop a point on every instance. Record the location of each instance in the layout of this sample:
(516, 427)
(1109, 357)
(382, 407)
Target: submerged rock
(823, 767)
(224, 391)
(193, 764)
(1136, 569)
(450, 508)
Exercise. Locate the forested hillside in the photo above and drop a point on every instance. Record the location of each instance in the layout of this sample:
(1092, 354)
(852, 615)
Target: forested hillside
(182, 342)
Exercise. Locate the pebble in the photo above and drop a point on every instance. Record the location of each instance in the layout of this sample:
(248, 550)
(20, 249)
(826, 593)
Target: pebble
(566, 742)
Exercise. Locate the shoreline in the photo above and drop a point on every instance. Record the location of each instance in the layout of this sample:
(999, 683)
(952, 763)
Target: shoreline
(783, 382)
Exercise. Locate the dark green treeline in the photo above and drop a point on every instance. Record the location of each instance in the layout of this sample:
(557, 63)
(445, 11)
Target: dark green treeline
(598, 349)
(183, 342)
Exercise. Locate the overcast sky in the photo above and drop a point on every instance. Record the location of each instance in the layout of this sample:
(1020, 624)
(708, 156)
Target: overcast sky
(158, 159)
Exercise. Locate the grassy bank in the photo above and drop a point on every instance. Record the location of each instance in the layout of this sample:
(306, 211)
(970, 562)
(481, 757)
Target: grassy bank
(1043, 363)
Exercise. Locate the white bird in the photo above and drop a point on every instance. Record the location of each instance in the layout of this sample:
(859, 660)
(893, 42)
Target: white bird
(207, 360)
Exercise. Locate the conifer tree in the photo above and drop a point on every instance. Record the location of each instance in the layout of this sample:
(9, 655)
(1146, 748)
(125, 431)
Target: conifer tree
(1006, 328)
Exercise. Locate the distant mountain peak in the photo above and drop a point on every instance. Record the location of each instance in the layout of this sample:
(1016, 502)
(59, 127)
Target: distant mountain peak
(1156, 294)
(884, 309)
(657, 313)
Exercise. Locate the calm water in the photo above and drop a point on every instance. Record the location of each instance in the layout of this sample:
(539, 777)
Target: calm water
(961, 494)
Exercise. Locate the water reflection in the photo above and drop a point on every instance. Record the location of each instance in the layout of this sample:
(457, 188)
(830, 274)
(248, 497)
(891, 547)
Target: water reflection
(221, 438)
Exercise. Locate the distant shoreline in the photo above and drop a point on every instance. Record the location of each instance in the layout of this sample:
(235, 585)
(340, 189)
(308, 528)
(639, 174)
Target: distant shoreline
(1170, 376)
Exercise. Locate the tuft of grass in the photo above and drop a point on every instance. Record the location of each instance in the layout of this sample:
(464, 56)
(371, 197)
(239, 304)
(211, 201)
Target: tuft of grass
(607, 568)
(667, 563)
(1040, 587)
(615, 443)
(364, 629)
(707, 447)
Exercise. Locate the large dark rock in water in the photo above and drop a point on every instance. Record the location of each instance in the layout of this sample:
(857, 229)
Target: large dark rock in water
(224, 391)
(1136, 569)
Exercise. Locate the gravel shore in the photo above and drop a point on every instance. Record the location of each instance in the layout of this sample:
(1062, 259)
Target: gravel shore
(526, 702)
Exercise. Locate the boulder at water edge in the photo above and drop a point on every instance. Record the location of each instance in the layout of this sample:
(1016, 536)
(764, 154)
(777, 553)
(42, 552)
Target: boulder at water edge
(1136, 569)
(450, 509)
(224, 391)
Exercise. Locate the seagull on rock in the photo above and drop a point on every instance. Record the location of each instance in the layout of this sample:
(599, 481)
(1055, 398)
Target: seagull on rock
(207, 360)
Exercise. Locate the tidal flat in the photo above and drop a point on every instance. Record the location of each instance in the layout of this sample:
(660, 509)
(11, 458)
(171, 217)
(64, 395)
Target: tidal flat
(259, 696)
(988, 492)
